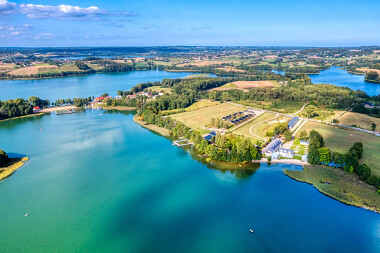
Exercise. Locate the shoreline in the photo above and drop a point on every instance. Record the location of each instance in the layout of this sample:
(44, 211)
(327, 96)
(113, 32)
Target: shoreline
(10, 169)
(285, 161)
(162, 131)
(338, 185)
(24, 116)
(59, 108)
(119, 108)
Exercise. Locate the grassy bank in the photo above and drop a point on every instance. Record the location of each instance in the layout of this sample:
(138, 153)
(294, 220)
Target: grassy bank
(13, 165)
(160, 130)
(25, 116)
(337, 184)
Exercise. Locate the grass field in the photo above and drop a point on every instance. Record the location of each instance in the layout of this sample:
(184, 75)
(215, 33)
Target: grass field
(247, 85)
(277, 106)
(159, 89)
(200, 117)
(345, 187)
(69, 67)
(258, 129)
(360, 120)
(32, 70)
(342, 139)
(197, 76)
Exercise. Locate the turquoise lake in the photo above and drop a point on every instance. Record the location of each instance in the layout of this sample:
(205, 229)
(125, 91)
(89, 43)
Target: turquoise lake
(81, 86)
(98, 182)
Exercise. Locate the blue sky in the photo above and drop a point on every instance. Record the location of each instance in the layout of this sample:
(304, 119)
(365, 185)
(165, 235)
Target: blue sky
(166, 22)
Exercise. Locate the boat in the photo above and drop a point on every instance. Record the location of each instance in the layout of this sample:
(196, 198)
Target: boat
(251, 230)
(26, 214)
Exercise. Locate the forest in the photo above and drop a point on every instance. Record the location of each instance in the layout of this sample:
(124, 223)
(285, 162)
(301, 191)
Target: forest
(20, 107)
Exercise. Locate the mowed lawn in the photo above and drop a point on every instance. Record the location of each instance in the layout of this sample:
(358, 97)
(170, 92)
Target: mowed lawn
(360, 120)
(244, 130)
(342, 139)
(199, 118)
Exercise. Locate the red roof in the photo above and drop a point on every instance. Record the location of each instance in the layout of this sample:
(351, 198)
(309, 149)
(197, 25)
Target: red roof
(36, 107)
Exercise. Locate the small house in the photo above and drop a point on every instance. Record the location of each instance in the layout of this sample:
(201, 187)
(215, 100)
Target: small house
(36, 109)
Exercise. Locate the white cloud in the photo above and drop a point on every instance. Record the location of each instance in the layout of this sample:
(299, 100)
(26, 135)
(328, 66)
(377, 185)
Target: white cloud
(67, 12)
(13, 30)
(44, 36)
(7, 8)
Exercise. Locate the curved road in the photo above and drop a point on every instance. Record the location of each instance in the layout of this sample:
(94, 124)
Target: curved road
(250, 129)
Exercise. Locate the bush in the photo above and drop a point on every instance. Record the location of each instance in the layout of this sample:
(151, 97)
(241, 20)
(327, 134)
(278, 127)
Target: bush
(364, 172)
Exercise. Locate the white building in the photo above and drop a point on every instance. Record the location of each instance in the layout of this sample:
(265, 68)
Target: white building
(288, 153)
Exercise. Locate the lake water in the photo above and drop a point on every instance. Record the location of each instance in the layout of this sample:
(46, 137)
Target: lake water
(81, 86)
(126, 189)
(342, 78)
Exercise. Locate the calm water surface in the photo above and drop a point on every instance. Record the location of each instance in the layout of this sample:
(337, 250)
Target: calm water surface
(126, 189)
(81, 86)
(342, 78)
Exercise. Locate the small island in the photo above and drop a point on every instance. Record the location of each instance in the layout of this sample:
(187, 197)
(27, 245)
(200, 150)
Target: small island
(9, 165)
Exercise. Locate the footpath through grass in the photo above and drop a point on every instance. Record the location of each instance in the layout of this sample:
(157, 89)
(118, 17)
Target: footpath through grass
(339, 185)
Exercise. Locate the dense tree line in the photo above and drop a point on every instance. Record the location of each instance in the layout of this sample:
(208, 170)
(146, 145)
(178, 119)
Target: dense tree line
(81, 65)
(301, 90)
(4, 159)
(20, 107)
(372, 76)
(349, 162)
(227, 148)
(78, 102)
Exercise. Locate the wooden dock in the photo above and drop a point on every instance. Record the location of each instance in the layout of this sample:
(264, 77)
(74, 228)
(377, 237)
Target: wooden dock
(182, 142)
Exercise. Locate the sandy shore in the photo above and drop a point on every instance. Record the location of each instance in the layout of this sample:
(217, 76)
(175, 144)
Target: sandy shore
(287, 161)
(59, 108)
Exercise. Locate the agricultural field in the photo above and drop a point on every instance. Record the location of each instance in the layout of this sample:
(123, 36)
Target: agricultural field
(7, 67)
(247, 85)
(359, 120)
(341, 140)
(368, 70)
(204, 63)
(69, 67)
(198, 118)
(231, 69)
(33, 70)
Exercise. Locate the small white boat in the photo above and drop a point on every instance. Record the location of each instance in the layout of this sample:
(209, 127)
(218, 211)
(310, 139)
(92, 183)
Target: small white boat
(251, 230)
(26, 214)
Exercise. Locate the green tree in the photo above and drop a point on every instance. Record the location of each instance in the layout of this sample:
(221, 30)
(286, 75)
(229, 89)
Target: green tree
(303, 136)
(310, 111)
(363, 171)
(3, 157)
(324, 155)
(373, 126)
(288, 135)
